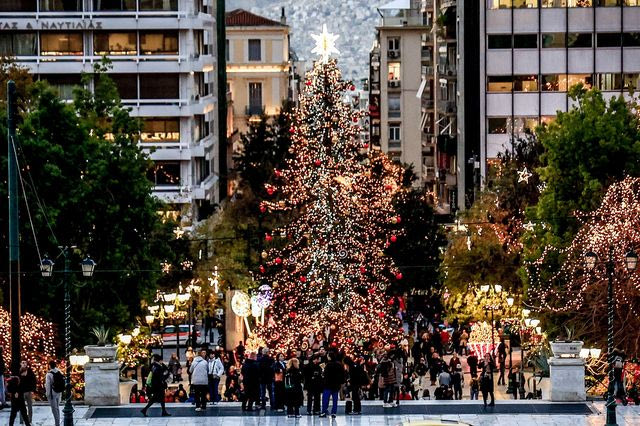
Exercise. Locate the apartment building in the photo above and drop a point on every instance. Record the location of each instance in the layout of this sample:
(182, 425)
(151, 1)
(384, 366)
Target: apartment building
(163, 55)
(259, 70)
(532, 51)
(413, 93)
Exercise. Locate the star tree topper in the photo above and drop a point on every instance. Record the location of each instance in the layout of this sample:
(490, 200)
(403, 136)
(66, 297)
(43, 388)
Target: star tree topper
(325, 44)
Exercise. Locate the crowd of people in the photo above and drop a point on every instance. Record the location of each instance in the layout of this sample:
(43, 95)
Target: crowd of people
(321, 375)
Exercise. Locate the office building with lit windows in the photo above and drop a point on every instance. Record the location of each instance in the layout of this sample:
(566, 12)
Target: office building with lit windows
(532, 51)
(163, 57)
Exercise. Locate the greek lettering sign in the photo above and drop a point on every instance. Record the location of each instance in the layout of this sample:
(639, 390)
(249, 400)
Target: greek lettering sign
(68, 25)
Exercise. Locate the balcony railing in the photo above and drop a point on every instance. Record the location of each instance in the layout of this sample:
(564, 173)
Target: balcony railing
(427, 103)
(254, 110)
(413, 18)
(445, 4)
(448, 70)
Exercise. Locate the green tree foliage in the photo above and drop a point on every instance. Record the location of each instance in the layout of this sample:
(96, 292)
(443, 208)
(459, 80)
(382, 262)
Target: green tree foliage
(86, 185)
(585, 149)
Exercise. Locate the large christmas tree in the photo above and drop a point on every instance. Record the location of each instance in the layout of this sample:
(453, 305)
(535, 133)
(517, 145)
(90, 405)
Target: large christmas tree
(326, 268)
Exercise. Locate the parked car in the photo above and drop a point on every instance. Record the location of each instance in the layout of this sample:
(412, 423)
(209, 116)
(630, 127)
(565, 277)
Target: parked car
(171, 338)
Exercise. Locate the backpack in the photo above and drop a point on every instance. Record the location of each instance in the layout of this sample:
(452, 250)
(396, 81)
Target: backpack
(58, 384)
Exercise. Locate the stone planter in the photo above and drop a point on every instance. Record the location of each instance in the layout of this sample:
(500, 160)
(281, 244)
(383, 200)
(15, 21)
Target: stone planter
(566, 349)
(125, 390)
(105, 353)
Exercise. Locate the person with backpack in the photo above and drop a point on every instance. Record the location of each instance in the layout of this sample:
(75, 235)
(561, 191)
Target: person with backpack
(474, 387)
(17, 401)
(157, 383)
(388, 379)
(54, 385)
(313, 384)
(293, 396)
(332, 382)
(199, 371)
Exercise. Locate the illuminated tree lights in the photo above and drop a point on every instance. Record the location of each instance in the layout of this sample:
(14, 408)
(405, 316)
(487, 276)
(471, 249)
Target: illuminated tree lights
(616, 224)
(37, 346)
(326, 268)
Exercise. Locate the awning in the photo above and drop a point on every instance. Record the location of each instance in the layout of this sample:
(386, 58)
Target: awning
(396, 4)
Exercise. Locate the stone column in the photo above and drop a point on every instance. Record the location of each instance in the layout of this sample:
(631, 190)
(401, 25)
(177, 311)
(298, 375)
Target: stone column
(101, 376)
(567, 379)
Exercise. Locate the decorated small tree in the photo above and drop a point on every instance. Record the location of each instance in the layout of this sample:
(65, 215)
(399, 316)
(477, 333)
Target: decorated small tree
(327, 266)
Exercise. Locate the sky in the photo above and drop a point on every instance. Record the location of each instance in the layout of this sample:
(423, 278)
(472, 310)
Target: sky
(353, 20)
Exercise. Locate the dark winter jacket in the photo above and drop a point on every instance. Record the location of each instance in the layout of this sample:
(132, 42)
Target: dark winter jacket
(313, 377)
(250, 375)
(28, 382)
(266, 369)
(357, 376)
(293, 396)
(333, 375)
(159, 375)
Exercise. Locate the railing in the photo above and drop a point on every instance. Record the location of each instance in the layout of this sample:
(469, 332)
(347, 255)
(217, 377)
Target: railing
(403, 21)
(254, 110)
(427, 103)
(445, 4)
(447, 69)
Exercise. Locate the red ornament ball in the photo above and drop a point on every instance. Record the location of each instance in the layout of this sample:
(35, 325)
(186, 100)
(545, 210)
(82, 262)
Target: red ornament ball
(372, 290)
(352, 87)
(277, 172)
(317, 163)
(381, 314)
(355, 118)
(308, 82)
(292, 130)
(278, 260)
(268, 237)
(398, 219)
(393, 238)
(292, 314)
(263, 209)
(270, 190)
(262, 269)
(399, 276)
(388, 187)
(390, 302)
(363, 269)
(334, 344)
(303, 279)
(365, 146)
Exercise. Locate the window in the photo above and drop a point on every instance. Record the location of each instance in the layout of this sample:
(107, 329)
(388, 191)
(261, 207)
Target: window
(60, 5)
(525, 83)
(159, 5)
(18, 6)
(631, 81)
(18, 44)
(631, 39)
(516, 4)
(255, 99)
(159, 86)
(499, 41)
(525, 124)
(579, 40)
(202, 128)
(498, 4)
(608, 3)
(160, 130)
(115, 44)
(554, 3)
(394, 71)
(525, 4)
(554, 40)
(63, 83)
(499, 83)
(125, 5)
(497, 125)
(127, 85)
(394, 133)
(165, 173)
(255, 50)
(579, 3)
(525, 41)
(550, 83)
(61, 44)
(609, 39)
(393, 44)
(608, 81)
(394, 105)
(573, 79)
(159, 43)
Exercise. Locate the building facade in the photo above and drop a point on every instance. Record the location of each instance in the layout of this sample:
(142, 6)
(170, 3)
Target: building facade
(533, 51)
(163, 60)
(258, 65)
(413, 93)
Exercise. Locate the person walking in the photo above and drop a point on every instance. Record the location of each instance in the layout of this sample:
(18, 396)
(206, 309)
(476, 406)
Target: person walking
(157, 383)
(388, 374)
(54, 384)
(266, 379)
(313, 385)
(357, 379)
(199, 371)
(3, 402)
(464, 342)
(216, 370)
(486, 380)
(457, 382)
(398, 364)
(279, 370)
(293, 396)
(28, 384)
(17, 401)
(333, 380)
(472, 362)
(251, 382)
(502, 360)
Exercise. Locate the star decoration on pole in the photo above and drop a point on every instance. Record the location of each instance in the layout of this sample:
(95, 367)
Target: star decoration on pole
(325, 44)
(524, 175)
(529, 226)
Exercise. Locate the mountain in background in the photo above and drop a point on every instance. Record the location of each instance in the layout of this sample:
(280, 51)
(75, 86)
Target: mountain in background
(353, 20)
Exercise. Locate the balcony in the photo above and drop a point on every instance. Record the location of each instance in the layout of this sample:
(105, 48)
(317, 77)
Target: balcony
(393, 54)
(254, 110)
(425, 53)
(447, 70)
(426, 103)
(448, 107)
(446, 4)
(412, 18)
(394, 84)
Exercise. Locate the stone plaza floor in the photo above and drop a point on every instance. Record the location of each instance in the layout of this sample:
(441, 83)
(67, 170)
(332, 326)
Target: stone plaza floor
(472, 413)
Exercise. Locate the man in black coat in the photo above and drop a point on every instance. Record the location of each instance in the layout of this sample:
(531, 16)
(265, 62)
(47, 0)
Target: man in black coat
(266, 379)
(313, 385)
(333, 380)
(357, 379)
(251, 382)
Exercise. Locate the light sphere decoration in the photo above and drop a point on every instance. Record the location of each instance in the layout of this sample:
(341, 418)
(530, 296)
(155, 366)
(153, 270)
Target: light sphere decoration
(264, 296)
(241, 304)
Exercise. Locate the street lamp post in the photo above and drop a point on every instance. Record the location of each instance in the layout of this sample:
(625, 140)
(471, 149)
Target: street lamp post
(493, 290)
(46, 269)
(631, 261)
